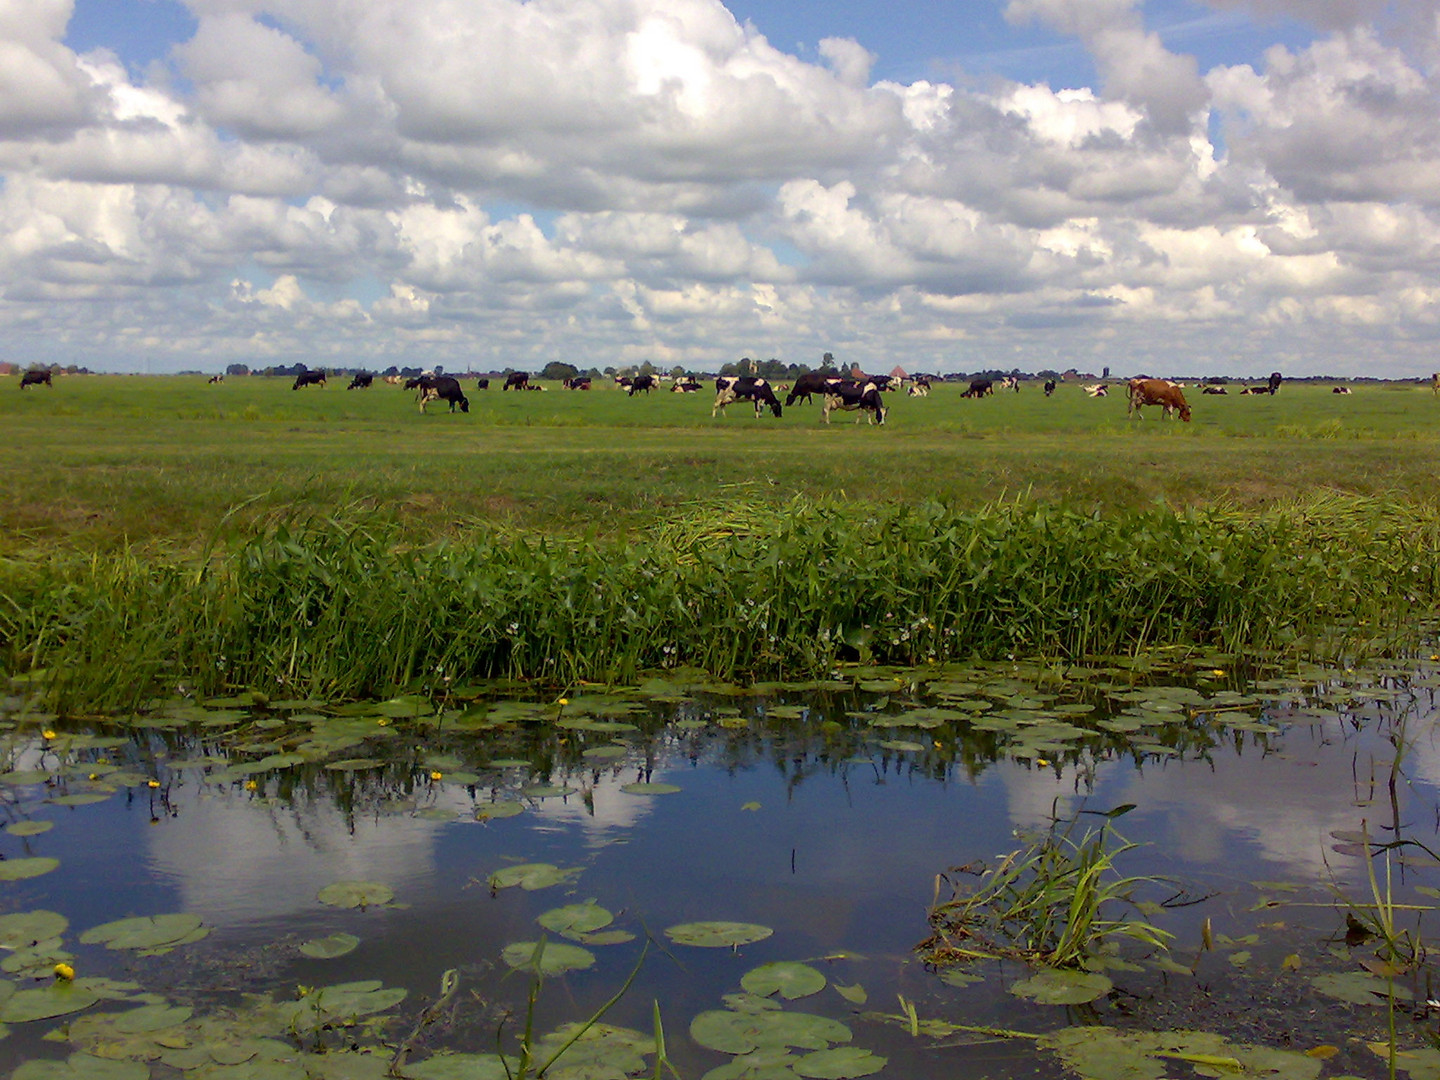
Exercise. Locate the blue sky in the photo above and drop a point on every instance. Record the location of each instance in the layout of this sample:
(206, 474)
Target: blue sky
(1233, 185)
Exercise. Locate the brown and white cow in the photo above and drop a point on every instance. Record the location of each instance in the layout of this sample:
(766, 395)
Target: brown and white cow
(1170, 398)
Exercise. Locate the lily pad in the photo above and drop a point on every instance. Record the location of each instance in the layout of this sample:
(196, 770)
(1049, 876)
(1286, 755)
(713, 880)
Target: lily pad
(717, 935)
(25, 928)
(502, 809)
(741, 1032)
(573, 920)
(29, 828)
(355, 894)
(59, 999)
(554, 958)
(532, 876)
(329, 947)
(788, 979)
(650, 789)
(151, 935)
(21, 869)
(462, 1067)
(82, 1067)
(839, 1063)
(1358, 988)
(1059, 987)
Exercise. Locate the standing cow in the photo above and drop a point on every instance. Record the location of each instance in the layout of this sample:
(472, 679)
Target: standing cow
(310, 378)
(732, 388)
(517, 380)
(36, 378)
(361, 380)
(1157, 392)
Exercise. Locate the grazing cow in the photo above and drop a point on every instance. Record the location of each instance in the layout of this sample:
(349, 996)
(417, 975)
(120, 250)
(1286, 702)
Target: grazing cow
(642, 382)
(215, 379)
(580, 382)
(361, 380)
(1214, 390)
(1435, 383)
(36, 378)
(1274, 381)
(854, 397)
(1157, 392)
(1010, 383)
(310, 378)
(517, 380)
(1049, 387)
(1096, 390)
(1340, 390)
(811, 382)
(482, 384)
(685, 386)
(443, 388)
(731, 388)
(883, 383)
(979, 388)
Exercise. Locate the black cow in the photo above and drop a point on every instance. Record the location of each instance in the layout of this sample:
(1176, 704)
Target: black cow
(309, 378)
(854, 397)
(1274, 381)
(979, 388)
(482, 384)
(517, 380)
(1049, 387)
(730, 388)
(812, 382)
(642, 382)
(361, 380)
(444, 388)
(36, 378)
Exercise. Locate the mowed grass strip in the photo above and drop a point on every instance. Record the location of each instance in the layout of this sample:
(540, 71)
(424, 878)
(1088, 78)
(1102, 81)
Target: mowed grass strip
(106, 463)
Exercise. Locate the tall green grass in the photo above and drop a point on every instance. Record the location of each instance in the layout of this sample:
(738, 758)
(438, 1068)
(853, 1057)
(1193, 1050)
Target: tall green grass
(345, 608)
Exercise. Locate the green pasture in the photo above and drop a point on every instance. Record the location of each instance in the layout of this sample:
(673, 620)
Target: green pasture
(105, 462)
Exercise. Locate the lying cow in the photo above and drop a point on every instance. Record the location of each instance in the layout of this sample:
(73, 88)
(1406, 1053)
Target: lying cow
(732, 388)
(1214, 390)
(443, 388)
(517, 380)
(310, 378)
(684, 386)
(919, 389)
(580, 382)
(394, 380)
(36, 378)
(852, 397)
(1096, 390)
(642, 382)
(215, 379)
(361, 380)
(811, 382)
(1171, 399)
(979, 388)
(1340, 390)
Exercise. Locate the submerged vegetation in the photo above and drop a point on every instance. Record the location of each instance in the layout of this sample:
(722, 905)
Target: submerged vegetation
(347, 608)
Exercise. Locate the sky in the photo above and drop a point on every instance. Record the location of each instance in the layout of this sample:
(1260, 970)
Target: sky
(1181, 187)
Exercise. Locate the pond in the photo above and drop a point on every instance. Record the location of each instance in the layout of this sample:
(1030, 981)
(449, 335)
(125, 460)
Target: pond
(254, 887)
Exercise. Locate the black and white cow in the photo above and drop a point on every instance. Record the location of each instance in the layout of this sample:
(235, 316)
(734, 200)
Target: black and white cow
(215, 379)
(36, 378)
(310, 378)
(1274, 382)
(854, 398)
(731, 388)
(517, 380)
(579, 382)
(979, 388)
(361, 380)
(1214, 390)
(642, 382)
(686, 385)
(1049, 387)
(482, 384)
(812, 382)
(443, 388)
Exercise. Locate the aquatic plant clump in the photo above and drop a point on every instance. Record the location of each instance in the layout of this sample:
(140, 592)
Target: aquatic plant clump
(343, 609)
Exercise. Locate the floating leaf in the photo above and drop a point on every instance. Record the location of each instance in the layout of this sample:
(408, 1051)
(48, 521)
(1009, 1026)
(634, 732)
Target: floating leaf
(718, 935)
(741, 1032)
(462, 1067)
(1058, 987)
(82, 1067)
(573, 920)
(650, 789)
(502, 809)
(788, 979)
(151, 934)
(856, 994)
(841, 1063)
(83, 798)
(58, 999)
(29, 828)
(554, 958)
(532, 876)
(152, 1018)
(328, 948)
(21, 869)
(546, 791)
(355, 894)
(1358, 988)
(26, 928)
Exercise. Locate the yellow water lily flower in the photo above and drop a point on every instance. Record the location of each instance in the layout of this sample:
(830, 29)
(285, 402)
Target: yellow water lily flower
(251, 785)
(152, 783)
(564, 701)
(64, 971)
(435, 774)
(48, 734)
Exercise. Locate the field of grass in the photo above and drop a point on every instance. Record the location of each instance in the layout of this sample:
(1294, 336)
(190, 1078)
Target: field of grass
(159, 531)
(105, 463)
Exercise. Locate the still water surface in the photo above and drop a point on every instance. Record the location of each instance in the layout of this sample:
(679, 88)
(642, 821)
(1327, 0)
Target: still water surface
(831, 814)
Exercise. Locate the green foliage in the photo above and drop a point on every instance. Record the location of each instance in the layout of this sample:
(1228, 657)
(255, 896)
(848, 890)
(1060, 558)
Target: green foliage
(1050, 903)
(345, 607)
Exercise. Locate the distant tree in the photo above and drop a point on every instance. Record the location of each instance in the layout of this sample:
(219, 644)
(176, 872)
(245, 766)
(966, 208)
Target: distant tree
(391, 370)
(237, 369)
(827, 362)
(647, 368)
(559, 370)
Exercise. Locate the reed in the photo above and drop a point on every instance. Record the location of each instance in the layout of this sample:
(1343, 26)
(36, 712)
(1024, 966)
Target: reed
(345, 606)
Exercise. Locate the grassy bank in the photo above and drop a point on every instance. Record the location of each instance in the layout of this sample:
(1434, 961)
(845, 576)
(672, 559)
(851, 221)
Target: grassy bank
(348, 608)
